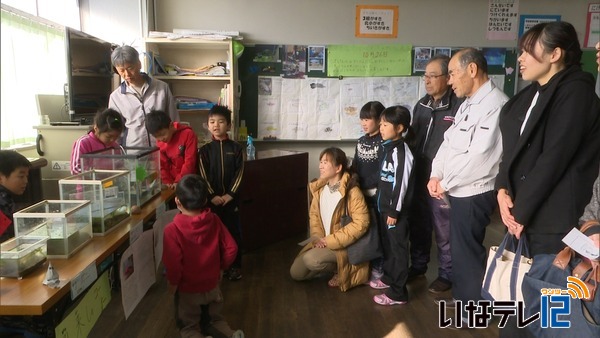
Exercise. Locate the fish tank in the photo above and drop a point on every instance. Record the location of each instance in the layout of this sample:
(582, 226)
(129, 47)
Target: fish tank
(143, 165)
(21, 255)
(67, 224)
(109, 194)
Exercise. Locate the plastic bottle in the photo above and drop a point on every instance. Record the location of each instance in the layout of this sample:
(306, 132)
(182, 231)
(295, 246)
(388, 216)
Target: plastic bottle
(250, 150)
(243, 131)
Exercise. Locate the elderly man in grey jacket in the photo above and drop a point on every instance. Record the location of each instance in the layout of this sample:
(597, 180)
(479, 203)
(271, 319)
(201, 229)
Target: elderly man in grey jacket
(464, 171)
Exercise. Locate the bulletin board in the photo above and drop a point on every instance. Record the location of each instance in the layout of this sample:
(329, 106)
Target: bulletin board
(317, 106)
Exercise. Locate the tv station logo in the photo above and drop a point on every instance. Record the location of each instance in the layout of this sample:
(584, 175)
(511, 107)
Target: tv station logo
(555, 302)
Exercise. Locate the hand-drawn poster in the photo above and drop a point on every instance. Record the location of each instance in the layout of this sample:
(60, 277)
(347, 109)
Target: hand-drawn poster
(290, 108)
(136, 271)
(320, 109)
(353, 94)
(269, 106)
(327, 108)
(502, 19)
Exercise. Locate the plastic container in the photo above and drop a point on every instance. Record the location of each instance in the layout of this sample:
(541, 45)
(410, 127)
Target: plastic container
(250, 150)
(20, 255)
(143, 165)
(109, 191)
(243, 131)
(68, 224)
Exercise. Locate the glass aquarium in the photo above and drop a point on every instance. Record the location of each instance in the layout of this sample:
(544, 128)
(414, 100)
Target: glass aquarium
(107, 190)
(20, 255)
(68, 224)
(142, 163)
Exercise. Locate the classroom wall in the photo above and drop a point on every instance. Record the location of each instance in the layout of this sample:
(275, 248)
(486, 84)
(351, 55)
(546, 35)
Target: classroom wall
(423, 22)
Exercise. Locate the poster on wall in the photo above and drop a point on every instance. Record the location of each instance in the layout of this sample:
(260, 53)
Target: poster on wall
(592, 27)
(369, 60)
(502, 19)
(375, 21)
(528, 21)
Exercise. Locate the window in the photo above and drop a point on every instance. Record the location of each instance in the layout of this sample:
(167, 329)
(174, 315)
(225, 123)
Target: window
(33, 62)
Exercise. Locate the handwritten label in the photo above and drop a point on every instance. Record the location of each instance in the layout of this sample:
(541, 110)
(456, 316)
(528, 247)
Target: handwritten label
(136, 231)
(82, 318)
(160, 209)
(84, 279)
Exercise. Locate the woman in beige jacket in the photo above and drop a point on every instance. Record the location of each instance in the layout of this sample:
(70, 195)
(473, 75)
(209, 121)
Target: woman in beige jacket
(327, 251)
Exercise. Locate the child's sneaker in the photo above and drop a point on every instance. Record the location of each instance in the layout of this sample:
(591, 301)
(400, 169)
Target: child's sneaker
(234, 274)
(378, 284)
(382, 299)
(238, 334)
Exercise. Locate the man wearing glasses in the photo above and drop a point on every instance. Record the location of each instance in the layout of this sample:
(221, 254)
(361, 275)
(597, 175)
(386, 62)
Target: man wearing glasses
(432, 115)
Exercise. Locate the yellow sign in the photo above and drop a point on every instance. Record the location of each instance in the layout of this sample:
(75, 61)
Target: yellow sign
(82, 318)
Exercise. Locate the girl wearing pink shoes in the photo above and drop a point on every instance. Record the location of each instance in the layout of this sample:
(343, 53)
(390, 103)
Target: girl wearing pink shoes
(394, 190)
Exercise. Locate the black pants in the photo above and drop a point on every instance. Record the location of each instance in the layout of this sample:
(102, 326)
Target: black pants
(469, 217)
(395, 262)
(421, 226)
(231, 218)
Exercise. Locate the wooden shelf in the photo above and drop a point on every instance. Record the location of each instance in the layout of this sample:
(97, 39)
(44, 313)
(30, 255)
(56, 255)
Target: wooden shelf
(225, 78)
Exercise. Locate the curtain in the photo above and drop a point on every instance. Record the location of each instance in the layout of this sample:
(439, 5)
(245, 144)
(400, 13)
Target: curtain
(33, 62)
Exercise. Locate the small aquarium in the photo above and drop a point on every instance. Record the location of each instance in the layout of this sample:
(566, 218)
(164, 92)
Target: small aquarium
(20, 255)
(107, 190)
(67, 224)
(143, 165)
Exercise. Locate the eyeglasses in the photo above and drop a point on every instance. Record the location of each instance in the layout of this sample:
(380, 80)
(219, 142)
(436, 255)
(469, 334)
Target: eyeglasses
(429, 77)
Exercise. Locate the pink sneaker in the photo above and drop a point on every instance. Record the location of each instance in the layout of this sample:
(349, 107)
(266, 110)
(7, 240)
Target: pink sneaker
(378, 284)
(382, 299)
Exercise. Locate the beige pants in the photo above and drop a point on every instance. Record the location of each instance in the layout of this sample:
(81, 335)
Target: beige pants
(312, 262)
(188, 311)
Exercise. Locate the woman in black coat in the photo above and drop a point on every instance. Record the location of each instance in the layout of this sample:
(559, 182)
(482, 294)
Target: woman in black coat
(551, 140)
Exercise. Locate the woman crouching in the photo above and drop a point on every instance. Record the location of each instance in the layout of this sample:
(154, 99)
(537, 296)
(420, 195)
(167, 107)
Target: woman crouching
(335, 194)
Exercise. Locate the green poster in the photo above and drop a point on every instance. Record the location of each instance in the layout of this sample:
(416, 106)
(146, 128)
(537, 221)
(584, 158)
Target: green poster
(369, 60)
(82, 318)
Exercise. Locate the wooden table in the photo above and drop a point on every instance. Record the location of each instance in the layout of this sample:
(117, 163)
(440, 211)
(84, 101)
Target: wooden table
(28, 296)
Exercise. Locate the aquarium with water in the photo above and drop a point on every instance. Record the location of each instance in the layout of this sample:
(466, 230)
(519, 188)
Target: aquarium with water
(107, 190)
(20, 255)
(67, 224)
(143, 165)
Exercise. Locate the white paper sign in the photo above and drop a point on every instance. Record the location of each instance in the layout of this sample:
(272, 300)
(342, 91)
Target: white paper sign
(84, 279)
(582, 244)
(135, 231)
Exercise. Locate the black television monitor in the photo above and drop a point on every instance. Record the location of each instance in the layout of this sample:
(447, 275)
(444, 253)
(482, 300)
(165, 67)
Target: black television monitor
(89, 75)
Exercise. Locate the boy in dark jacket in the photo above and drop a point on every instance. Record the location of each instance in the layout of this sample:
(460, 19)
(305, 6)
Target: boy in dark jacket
(222, 166)
(14, 171)
(178, 147)
(196, 248)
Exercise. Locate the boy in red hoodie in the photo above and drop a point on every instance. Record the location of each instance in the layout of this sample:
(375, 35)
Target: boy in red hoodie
(196, 248)
(178, 147)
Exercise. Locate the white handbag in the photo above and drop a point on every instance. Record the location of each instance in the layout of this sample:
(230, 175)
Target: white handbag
(505, 270)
